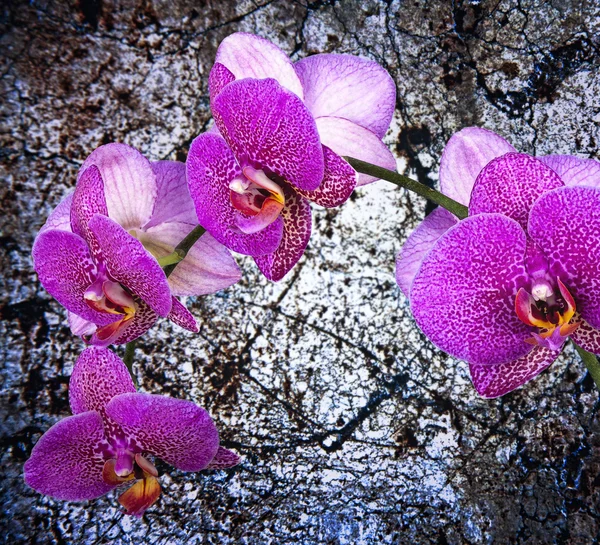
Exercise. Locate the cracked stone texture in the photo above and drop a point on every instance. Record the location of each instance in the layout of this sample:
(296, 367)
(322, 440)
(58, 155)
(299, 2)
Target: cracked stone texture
(353, 428)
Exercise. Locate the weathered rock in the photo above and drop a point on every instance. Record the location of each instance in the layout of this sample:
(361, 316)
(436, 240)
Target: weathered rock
(353, 428)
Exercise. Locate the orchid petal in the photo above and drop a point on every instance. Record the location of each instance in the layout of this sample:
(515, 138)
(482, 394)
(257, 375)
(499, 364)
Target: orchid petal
(143, 319)
(510, 185)
(269, 128)
(211, 167)
(296, 234)
(219, 77)
(66, 463)
(131, 265)
(465, 155)
(463, 295)
(338, 182)
(250, 56)
(177, 431)
(587, 337)
(497, 380)
(181, 316)
(207, 268)
(224, 459)
(349, 139)
(173, 202)
(80, 326)
(573, 170)
(60, 218)
(350, 87)
(566, 224)
(140, 496)
(98, 376)
(129, 183)
(419, 243)
(66, 269)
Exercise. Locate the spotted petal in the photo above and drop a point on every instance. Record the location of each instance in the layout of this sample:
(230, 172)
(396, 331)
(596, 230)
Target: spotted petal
(211, 167)
(219, 76)
(497, 380)
(510, 185)
(349, 139)
(131, 265)
(141, 322)
(207, 268)
(465, 155)
(60, 218)
(573, 170)
(463, 295)
(224, 459)
(338, 182)
(98, 376)
(129, 183)
(296, 234)
(419, 243)
(587, 337)
(349, 87)
(566, 224)
(269, 128)
(66, 463)
(181, 316)
(250, 56)
(66, 269)
(175, 430)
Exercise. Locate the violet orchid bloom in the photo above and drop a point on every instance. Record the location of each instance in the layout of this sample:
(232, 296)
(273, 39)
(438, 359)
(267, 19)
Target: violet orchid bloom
(283, 128)
(113, 430)
(97, 253)
(504, 288)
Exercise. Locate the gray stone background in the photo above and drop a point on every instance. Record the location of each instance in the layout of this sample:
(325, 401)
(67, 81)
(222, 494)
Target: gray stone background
(353, 428)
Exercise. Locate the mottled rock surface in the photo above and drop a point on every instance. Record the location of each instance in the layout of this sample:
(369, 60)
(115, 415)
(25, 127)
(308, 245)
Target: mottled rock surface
(353, 428)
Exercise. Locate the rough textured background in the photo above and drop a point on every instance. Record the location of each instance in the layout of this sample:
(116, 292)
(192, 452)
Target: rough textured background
(354, 430)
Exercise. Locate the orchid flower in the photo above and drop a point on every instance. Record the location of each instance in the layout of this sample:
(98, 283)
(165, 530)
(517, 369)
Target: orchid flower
(112, 434)
(98, 254)
(504, 288)
(282, 129)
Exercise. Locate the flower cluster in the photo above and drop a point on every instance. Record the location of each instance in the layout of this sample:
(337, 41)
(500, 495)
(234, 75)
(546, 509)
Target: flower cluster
(114, 252)
(504, 288)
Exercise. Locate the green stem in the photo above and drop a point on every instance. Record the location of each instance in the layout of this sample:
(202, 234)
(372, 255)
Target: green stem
(128, 359)
(184, 247)
(171, 259)
(459, 210)
(591, 362)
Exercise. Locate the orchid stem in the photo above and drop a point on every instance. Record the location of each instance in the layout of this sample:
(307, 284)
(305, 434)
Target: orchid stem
(128, 359)
(459, 210)
(591, 362)
(182, 249)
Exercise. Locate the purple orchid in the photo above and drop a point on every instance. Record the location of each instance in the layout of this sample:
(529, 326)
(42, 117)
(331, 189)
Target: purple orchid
(113, 430)
(282, 129)
(97, 253)
(504, 288)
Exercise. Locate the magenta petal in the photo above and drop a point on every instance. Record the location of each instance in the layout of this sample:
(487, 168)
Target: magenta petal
(573, 170)
(510, 185)
(497, 380)
(211, 167)
(181, 316)
(350, 87)
(66, 463)
(173, 202)
(464, 293)
(296, 234)
(338, 182)
(129, 183)
(250, 56)
(349, 139)
(224, 459)
(177, 431)
(131, 265)
(60, 218)
(566, 224)
(465, 155)
(219, 77)
(98, 376)
(141, 322)
(65, 268)
(587, 337)
(419, 243)
(269, 128)
(207, 268)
